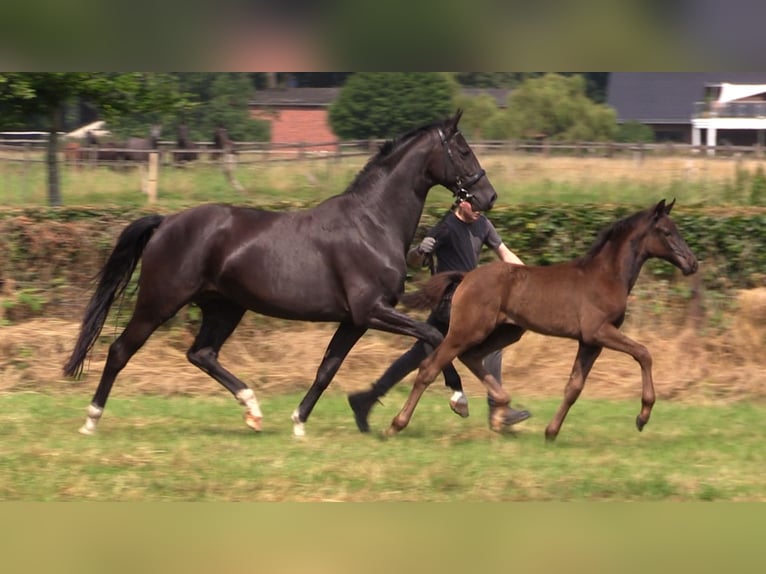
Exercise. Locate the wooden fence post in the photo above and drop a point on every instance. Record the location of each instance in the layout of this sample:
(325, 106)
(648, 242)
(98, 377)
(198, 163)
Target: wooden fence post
(151, 178)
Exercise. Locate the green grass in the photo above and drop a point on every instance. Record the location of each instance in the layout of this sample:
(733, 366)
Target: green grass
(152, 448)
(518, 179)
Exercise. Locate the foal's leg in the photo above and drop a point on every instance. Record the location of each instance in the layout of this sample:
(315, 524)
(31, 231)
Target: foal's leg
(342, 342)
(586, 356)
(219, 319)
(429, 369)
(611, 338)
(142, 324)
(465, 330)
(431, 366)
(503, 335)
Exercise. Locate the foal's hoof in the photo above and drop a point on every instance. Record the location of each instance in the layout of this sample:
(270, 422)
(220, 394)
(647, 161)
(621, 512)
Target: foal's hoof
(502, 417)
(255, 423)
(391, 431)
(550, 437)
(640, 424)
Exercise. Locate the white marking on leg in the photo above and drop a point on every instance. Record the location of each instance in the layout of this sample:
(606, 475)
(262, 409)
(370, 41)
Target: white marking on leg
(94, 413)
(253, 416)
(298, 428)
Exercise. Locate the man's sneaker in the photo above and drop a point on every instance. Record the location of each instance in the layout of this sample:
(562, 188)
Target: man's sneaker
(361, 403)
(500, 417)
(459, 404)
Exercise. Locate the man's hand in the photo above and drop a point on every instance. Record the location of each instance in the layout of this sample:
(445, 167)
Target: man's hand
(427, 245)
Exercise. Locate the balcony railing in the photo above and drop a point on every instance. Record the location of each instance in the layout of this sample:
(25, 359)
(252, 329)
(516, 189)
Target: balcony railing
(730, 110)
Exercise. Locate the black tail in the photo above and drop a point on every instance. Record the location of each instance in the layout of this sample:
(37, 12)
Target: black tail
(430, 294)
(112, 280)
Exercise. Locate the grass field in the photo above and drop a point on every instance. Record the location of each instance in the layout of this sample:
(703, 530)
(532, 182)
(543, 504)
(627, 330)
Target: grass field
(518, 178)
(154, 448)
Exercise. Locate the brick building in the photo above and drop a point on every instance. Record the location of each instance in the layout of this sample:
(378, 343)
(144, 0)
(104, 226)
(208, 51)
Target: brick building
(298, 118)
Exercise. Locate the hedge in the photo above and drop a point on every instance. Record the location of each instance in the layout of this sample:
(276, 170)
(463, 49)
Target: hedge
(39, 247)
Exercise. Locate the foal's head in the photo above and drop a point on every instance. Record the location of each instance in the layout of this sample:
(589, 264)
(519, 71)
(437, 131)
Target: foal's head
(663, 240)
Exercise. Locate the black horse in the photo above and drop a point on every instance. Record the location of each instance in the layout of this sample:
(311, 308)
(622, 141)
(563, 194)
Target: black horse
(188, 149)
(133, 149)
(222, 144)
(343, 260)
(137, 149)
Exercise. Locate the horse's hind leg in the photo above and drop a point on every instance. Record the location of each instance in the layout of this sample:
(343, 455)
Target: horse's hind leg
(141, 325)
(219, 319)
(342, 342)
(586, 356)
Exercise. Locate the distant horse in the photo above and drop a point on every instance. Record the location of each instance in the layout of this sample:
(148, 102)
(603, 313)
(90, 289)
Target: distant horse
(584, 299)
(74, 154)
(137, 149)
(95, 149)
(222, 144)
(184, 142)
(341, 261)
(226, 155)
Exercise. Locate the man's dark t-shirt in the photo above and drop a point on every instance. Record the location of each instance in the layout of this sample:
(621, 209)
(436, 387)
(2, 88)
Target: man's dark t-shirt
(458, 244)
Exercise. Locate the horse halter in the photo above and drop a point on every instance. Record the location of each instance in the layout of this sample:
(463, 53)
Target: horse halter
(461, 187)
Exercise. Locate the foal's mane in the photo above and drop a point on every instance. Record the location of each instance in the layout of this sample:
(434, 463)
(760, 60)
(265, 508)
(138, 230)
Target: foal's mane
(386, 151)
(615, 232)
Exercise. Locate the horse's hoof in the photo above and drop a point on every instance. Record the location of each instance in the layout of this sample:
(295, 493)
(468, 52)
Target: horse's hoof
(640, 423)
(391, 431)
(550, 437)
(85, 430)
(255, 423)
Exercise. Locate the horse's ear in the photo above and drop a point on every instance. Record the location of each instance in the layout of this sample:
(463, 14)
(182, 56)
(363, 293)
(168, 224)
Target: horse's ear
(659, 209)
(455, 120)
(669, 206)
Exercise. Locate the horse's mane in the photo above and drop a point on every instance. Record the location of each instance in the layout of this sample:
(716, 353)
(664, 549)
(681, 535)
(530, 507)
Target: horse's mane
(385, 151)
(613, 232)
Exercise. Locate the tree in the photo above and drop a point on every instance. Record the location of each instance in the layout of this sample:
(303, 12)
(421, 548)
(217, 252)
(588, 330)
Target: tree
(479, 113)
(26, 96)
(634, 132)
(215, 100)
(556, 106)
(384, 104)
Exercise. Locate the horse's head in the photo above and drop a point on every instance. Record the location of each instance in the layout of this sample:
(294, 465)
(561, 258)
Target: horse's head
(458, 169)
(665, 242)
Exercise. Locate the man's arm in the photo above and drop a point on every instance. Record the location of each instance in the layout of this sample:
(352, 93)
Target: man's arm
(416, 257)
(507, 255)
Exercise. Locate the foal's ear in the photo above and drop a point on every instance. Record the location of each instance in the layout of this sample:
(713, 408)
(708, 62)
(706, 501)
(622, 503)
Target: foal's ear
(669, 206)
(660, 209)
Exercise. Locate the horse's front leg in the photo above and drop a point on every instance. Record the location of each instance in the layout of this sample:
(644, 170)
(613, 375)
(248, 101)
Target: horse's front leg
(611, 338)
(342, 342)
(586, 357)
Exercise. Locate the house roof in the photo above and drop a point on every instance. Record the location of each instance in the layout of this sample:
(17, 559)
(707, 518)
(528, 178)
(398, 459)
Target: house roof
(666, 97)
(295, 97)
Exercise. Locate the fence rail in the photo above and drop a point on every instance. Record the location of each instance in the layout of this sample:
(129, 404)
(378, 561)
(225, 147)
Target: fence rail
(251, 152)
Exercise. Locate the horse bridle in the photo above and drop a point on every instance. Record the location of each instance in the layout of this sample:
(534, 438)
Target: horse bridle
(461, 187)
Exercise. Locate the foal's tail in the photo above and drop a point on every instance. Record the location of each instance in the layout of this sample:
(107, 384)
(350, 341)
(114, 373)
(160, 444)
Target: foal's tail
(430, 294)
(112, 281)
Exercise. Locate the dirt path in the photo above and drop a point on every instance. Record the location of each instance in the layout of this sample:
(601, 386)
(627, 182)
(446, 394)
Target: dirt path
(687, 365)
